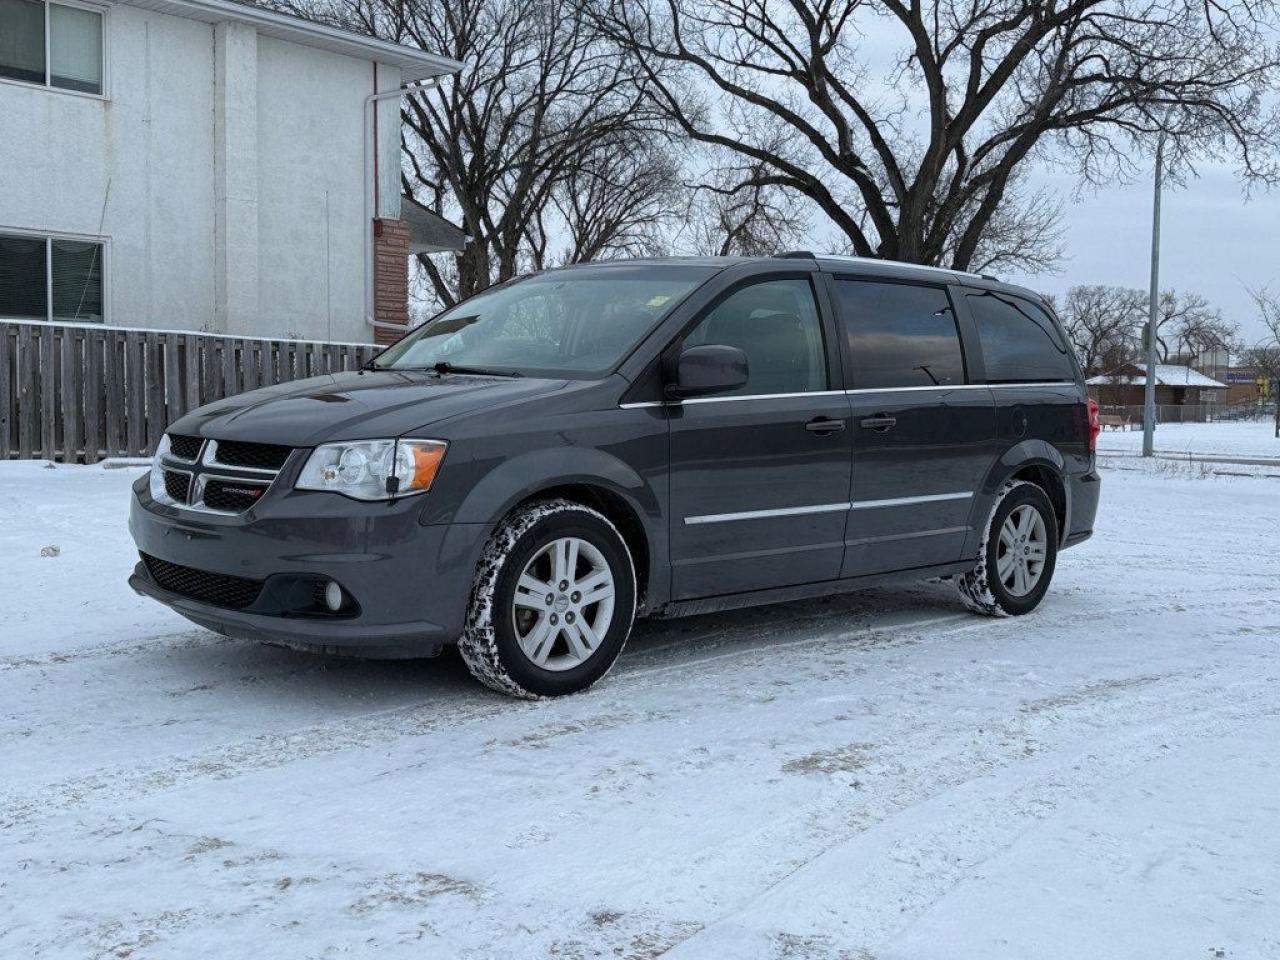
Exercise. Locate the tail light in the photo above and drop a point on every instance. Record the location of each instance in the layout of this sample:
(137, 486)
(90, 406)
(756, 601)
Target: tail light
(1095, 427)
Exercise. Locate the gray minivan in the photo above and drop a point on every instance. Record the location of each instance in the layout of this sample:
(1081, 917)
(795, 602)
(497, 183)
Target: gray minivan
(538, 466)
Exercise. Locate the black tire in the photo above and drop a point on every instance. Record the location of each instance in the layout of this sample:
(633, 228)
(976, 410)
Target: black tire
(981, 588)
(489, 643)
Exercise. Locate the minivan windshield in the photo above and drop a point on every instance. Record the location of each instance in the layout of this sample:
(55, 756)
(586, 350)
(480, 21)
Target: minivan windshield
(575, 323)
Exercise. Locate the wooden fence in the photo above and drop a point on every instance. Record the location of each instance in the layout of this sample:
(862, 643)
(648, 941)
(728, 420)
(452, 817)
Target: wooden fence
(74, 392)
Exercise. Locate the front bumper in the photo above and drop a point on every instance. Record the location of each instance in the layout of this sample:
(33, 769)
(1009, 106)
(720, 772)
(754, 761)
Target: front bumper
(410, 581)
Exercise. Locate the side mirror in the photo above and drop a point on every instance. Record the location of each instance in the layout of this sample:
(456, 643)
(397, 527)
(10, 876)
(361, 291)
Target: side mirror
(714, 368)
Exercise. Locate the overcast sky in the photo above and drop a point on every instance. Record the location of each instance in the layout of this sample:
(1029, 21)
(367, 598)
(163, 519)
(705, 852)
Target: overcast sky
(1213, 241)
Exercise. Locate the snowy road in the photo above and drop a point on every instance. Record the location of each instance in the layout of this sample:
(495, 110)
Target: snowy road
(875, 776)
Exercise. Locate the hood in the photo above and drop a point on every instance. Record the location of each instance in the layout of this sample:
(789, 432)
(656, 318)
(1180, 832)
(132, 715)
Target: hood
(353, 406)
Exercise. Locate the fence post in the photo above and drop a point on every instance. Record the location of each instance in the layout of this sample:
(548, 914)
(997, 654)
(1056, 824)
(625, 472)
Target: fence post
(93, 342)
(9, 408)
(113, 399)
(26, 392)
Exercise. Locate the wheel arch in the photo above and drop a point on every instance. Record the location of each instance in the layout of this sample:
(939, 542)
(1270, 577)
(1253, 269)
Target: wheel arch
(1037, 462)
(590, 477)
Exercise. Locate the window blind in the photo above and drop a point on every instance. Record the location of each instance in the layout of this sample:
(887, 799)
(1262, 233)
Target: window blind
(23, 294)
(77, 280)
(75, 48)
(22, 40)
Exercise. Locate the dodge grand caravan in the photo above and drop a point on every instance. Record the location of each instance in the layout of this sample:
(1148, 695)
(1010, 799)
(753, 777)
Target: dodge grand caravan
(538, 466)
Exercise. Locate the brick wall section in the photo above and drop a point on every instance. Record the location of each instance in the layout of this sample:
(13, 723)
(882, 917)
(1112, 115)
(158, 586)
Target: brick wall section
(390, 277)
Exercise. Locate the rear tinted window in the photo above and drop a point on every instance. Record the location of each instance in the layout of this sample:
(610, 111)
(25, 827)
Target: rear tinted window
(1019, 340)
(900, 335)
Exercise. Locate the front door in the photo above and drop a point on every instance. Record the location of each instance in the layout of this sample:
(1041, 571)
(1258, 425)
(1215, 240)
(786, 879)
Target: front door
(923, 436)
(760, 477)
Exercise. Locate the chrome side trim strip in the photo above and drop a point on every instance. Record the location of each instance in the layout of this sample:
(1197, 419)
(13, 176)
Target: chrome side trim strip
(824, 508)
(761, 514)
(908, 501)
(963, 386)
(848, 393)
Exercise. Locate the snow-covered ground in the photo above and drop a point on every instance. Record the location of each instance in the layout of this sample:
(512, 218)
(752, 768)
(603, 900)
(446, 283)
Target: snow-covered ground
(881, 775)
(1248, 438)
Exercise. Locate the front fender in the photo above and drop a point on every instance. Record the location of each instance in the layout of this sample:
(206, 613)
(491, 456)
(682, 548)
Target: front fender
(526, 475)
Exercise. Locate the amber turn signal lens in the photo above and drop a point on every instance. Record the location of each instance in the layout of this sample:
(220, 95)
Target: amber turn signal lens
(425, 457)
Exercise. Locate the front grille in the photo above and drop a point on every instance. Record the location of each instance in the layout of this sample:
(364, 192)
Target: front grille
(232, 495)
(177, 485)
(184, 448)
(261, 456)
(215, 589)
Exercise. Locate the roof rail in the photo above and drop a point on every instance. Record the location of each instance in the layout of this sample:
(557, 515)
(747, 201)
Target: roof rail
(797, 255)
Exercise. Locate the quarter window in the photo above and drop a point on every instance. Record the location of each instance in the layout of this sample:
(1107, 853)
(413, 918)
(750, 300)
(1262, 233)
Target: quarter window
(775, 323)
(1020, 342)
(52, 44)
(899, 335)
(50, 278)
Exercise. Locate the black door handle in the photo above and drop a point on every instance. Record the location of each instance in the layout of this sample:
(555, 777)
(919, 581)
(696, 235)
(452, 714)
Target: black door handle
(824, 426)
(880, 422)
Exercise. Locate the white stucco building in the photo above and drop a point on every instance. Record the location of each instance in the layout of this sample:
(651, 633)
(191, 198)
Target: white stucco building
(202, 165)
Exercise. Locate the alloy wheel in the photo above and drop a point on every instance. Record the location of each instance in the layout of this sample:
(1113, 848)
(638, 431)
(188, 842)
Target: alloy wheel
(1022, 550)
(563, 604)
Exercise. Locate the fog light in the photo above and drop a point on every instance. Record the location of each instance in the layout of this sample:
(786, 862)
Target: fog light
(333, 596)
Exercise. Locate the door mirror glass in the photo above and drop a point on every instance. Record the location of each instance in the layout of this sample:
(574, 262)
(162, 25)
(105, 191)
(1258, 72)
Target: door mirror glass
(708, 369)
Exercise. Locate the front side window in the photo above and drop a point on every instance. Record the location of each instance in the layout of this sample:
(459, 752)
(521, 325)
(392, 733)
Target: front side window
(775, 323)
(900, 335)
(52, 44)
(50, 278)
(579, 322)
(1020, 343)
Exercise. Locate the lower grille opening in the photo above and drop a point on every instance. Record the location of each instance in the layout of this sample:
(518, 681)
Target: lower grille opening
(232, 495)
(216, 589)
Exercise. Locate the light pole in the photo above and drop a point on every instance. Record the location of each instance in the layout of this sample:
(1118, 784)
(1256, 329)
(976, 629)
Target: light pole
(1149, 393)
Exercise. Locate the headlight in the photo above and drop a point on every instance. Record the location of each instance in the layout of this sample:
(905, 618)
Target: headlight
(156, 478)
(373, 469)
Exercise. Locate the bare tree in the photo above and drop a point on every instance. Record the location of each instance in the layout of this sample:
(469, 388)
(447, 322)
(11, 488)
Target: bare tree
(925, 167)
(1189, 325)
(615, 202)
(734, 213)
(1265, 356)
(1102, 323)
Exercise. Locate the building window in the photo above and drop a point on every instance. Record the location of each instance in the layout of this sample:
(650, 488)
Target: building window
(50, 278)
(52, 44)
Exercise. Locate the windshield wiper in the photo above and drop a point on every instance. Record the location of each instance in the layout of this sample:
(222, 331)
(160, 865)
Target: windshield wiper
(444, 366)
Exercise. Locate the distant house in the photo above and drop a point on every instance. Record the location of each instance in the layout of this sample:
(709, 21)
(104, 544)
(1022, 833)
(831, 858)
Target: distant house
(205, 165)
(1175, 386)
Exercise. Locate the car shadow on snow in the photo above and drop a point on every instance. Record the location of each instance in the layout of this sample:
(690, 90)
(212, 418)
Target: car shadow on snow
(260, 672)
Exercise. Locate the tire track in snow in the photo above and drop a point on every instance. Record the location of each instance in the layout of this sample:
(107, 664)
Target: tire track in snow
(195, 637)
(421, 718)
(857, 893)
